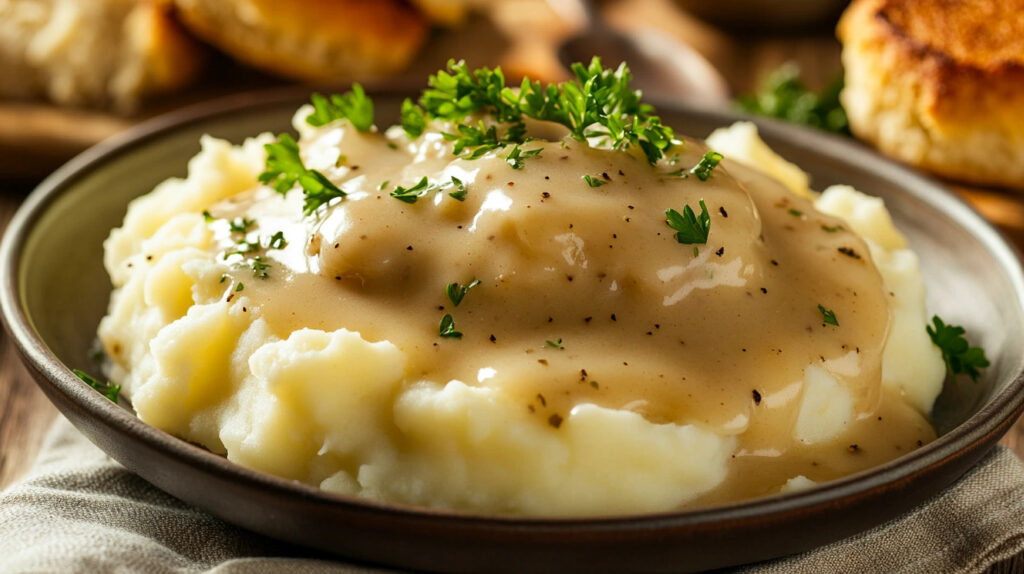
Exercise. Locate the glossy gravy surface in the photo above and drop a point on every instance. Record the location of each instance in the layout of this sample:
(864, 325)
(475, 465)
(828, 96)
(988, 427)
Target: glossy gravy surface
(586, 296)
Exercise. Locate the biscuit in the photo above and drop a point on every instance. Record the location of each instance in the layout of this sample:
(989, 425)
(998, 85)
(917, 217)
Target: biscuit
(939, 84)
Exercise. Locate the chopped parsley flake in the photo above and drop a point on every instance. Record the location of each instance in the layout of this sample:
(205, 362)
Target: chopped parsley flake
(831, 228)
(460, 189)
(555, 344)
(593, 181)
(411, 194)
(277, 241)
(796, 212)
(959, 356)
(828, 316)
(690, 228)
(456, 292)
(354, 105)
(516, 156)
(208, 216)
(259, 267)
(447, 328)
(706, 164)
(241, 225)
(239, 287)
(108, 389)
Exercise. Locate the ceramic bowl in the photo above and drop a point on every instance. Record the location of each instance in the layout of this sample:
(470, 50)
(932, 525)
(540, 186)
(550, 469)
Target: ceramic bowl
(54, 291)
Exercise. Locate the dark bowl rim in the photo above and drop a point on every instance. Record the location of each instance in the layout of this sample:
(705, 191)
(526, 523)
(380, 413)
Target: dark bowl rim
(976, 430)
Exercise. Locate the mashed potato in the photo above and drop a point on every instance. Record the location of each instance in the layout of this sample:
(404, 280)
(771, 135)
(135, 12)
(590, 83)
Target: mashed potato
(600, 367)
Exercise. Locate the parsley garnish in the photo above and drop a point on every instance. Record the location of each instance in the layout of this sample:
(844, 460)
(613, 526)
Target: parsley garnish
(796, 212)
(353, 105)
(208, 216)
(284, 168)
(411, 194)
(598, 103)
(241, 225)
(456, 292)
(828, 316)
(783, 95)
(959, 356)
(555, 344)
(239, 287)
(108, 389)
(516, 156)
(447, 327)
(259, 267)
(689, 227)
(413, 120)
(460, 189)
(706, 164)
(593, 181)
(831, 228)
(277, 241)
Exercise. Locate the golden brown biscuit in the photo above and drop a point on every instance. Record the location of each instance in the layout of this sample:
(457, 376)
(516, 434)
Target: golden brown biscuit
(939, 84)
(315, 40)
(93, 52)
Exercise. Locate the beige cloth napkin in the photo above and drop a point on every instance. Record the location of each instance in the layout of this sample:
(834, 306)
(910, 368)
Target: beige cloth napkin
(79, 511)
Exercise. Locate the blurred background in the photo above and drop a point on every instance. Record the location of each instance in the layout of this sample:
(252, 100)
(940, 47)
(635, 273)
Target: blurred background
(77, 71)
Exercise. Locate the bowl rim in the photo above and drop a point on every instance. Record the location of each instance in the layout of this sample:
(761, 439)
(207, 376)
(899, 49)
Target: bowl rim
(968, 435)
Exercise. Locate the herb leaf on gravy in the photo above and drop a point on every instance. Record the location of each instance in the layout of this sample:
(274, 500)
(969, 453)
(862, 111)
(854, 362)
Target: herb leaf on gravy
(960, 357)
(456, 292)
(411, 194)
(447, 327)
(690, 228)
(277, 241)
(827, 316)
(460, 189)
(107, 389)
(516, 156)
(593, 181)
(354, 105)
(284, 168)
(259, 267)
(706, 165)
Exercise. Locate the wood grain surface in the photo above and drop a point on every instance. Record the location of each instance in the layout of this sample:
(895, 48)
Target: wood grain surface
(521, 36)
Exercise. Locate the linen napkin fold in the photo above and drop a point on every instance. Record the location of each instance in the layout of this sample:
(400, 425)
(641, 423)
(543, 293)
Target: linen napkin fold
(79, 511)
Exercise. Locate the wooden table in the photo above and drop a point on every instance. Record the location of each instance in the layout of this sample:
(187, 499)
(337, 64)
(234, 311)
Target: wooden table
(742, 58)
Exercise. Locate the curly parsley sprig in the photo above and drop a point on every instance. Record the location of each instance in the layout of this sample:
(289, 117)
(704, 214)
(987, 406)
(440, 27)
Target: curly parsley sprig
(598, 103)
(960, 357)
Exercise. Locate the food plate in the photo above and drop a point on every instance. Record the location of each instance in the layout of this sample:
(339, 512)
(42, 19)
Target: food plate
(55, 290)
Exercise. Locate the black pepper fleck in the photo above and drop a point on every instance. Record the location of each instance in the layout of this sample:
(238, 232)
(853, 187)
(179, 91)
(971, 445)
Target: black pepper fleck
(757, 397)
(723, 212)
(849, 252)
(555, 420)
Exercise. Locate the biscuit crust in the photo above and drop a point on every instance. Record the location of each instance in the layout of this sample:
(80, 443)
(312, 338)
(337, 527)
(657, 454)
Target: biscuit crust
(939, 84)
(313, 40)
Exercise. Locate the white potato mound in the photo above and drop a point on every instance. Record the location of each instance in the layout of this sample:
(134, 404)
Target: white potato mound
(333, 409)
